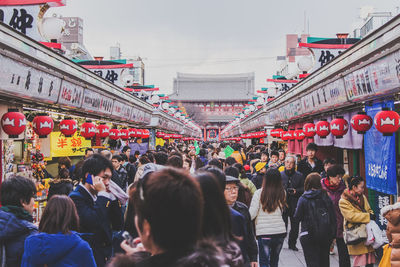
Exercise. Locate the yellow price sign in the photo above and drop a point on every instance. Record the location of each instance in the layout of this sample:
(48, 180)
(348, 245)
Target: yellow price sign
(61, 146)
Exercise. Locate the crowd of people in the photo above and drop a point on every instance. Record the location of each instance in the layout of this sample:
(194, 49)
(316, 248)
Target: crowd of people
(175, 207)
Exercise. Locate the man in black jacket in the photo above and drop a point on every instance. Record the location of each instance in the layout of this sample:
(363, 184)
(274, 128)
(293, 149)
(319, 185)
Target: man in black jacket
(231, 195)
(293, 182)
(95, 207)
(310, 163)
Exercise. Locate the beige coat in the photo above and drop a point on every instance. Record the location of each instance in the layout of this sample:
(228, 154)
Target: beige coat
(353, 214)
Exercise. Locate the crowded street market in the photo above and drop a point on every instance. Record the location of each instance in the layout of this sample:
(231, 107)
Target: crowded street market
(215, 167)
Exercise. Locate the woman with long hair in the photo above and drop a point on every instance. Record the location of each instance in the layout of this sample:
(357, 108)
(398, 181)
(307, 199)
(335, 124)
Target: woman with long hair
(58, 244)
(266, 208)
(217, 219)
(356, 210)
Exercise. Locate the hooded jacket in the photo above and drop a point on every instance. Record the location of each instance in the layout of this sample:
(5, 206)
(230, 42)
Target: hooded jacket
(335, 195)
(13, 232)
(57, 250)
(392, 215)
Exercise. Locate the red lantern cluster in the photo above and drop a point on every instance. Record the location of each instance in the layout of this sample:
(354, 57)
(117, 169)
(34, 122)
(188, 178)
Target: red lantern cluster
(322, 128)
(103, 130)
(43, 125)
(387, 121)
(88, 129)
(339, 127)
(361, 122)
(13, 123)
(68, 127)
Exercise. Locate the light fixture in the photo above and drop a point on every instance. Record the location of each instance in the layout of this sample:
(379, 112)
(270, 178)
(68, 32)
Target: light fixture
(52, 28)
(305, 64)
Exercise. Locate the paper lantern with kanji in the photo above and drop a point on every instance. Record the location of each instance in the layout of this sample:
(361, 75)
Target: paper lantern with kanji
(276, 132)
(287, 135)
(103, 130)
(132, 132)
(13, 123)
(322, 128)
(124, 134)
(263, 134)
(166, 136)
(139, 133)
(299, 135)
(68, 127)
(339, 127)
(387, 121)
(88, 129)
(43, 125)
(145, 133)
(114, 134)
(160, 134)
(309, 130)
(361, 122)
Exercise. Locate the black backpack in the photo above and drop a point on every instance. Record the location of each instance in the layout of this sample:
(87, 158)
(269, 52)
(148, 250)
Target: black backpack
(322, 221)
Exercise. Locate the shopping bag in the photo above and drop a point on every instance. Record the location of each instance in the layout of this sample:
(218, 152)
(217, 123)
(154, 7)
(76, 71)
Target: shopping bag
(385, 261)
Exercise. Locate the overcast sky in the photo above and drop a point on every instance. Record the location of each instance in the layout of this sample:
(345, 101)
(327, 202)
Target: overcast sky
(209, 36)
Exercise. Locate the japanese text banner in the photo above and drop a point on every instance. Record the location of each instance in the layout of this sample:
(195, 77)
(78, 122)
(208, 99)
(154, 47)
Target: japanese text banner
(61, 146)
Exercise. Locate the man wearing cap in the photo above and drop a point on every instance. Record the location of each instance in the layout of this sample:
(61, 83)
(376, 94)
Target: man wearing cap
(310, 163)
(261, 170)
(249, 245)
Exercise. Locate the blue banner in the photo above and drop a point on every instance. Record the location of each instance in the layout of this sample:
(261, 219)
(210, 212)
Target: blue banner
(380, 155)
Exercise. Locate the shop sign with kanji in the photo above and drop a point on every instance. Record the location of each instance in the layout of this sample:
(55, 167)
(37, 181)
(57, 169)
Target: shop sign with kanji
(61, 146)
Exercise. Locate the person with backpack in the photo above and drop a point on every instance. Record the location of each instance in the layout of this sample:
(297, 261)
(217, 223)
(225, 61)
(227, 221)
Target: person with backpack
(266, 208)
(316, 214)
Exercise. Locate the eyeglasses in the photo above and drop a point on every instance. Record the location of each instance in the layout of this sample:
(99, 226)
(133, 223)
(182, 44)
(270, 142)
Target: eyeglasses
(232, 189)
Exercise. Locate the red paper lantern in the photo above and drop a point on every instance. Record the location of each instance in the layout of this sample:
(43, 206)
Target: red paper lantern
(103, 130)
(68, 127)
(124, 134)
(166, 136)
(299, 135)
(160, 135)
(387, 121)
(13, 123)
(88, 129)
(139, 133)
(132, 132)
(361, 122)
(276, 132)
(263, 134)
(42, 125)
(339, 127)
(114, 134)
(145, 133)
(288, 135)
(322, 128)
(309, 130)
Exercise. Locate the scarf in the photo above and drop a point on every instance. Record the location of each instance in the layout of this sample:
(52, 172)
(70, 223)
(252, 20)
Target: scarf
(356, 201)
(330, 186)
(19, 212)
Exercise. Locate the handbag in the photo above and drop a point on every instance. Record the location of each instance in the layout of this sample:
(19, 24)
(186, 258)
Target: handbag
(355, 234)
(385, 261)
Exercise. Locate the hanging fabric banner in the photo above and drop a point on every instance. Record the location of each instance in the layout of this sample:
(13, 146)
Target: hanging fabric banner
(380, 155)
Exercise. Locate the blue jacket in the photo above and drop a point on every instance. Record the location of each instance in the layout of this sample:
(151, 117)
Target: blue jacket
(96, 218)
(57, 250)
(13, 232)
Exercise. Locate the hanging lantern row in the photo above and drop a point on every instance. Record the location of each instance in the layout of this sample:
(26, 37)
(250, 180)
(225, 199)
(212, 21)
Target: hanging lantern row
(166, 136)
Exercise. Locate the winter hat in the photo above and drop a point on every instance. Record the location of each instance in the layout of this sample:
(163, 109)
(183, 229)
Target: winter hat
(260, 165)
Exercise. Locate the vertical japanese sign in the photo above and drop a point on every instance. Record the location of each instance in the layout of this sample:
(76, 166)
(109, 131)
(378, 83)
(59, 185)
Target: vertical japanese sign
(380, 155)
(381, 200)
(61, 146)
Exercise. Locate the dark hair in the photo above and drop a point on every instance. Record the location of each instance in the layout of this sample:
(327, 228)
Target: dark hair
(88, 149)
(170, 201)
(176, 153)
(273, 194)
(132, 159)
(230, 161)
(15, 190)
(275, 153)
(207, 253)
(335, 170)
(232, 171)
(282, 151)
(329, 161)
(63, 173)
(123, 157)
(313, 181)
(198, 163)
(218, 173)
(128, 260)
(161, 158)
(129, 220)
(215, 162)
(216, 214)
(117, 157)
(150, 156)
(264, 152)
(175, 161)
(189, 161)
(203, 152)
(95, 165)
(354, 181)
(144, 160)
(241, 169)
(125, 148)
(312, 146)
(137, 152)
(60, 215)
(64, 161)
